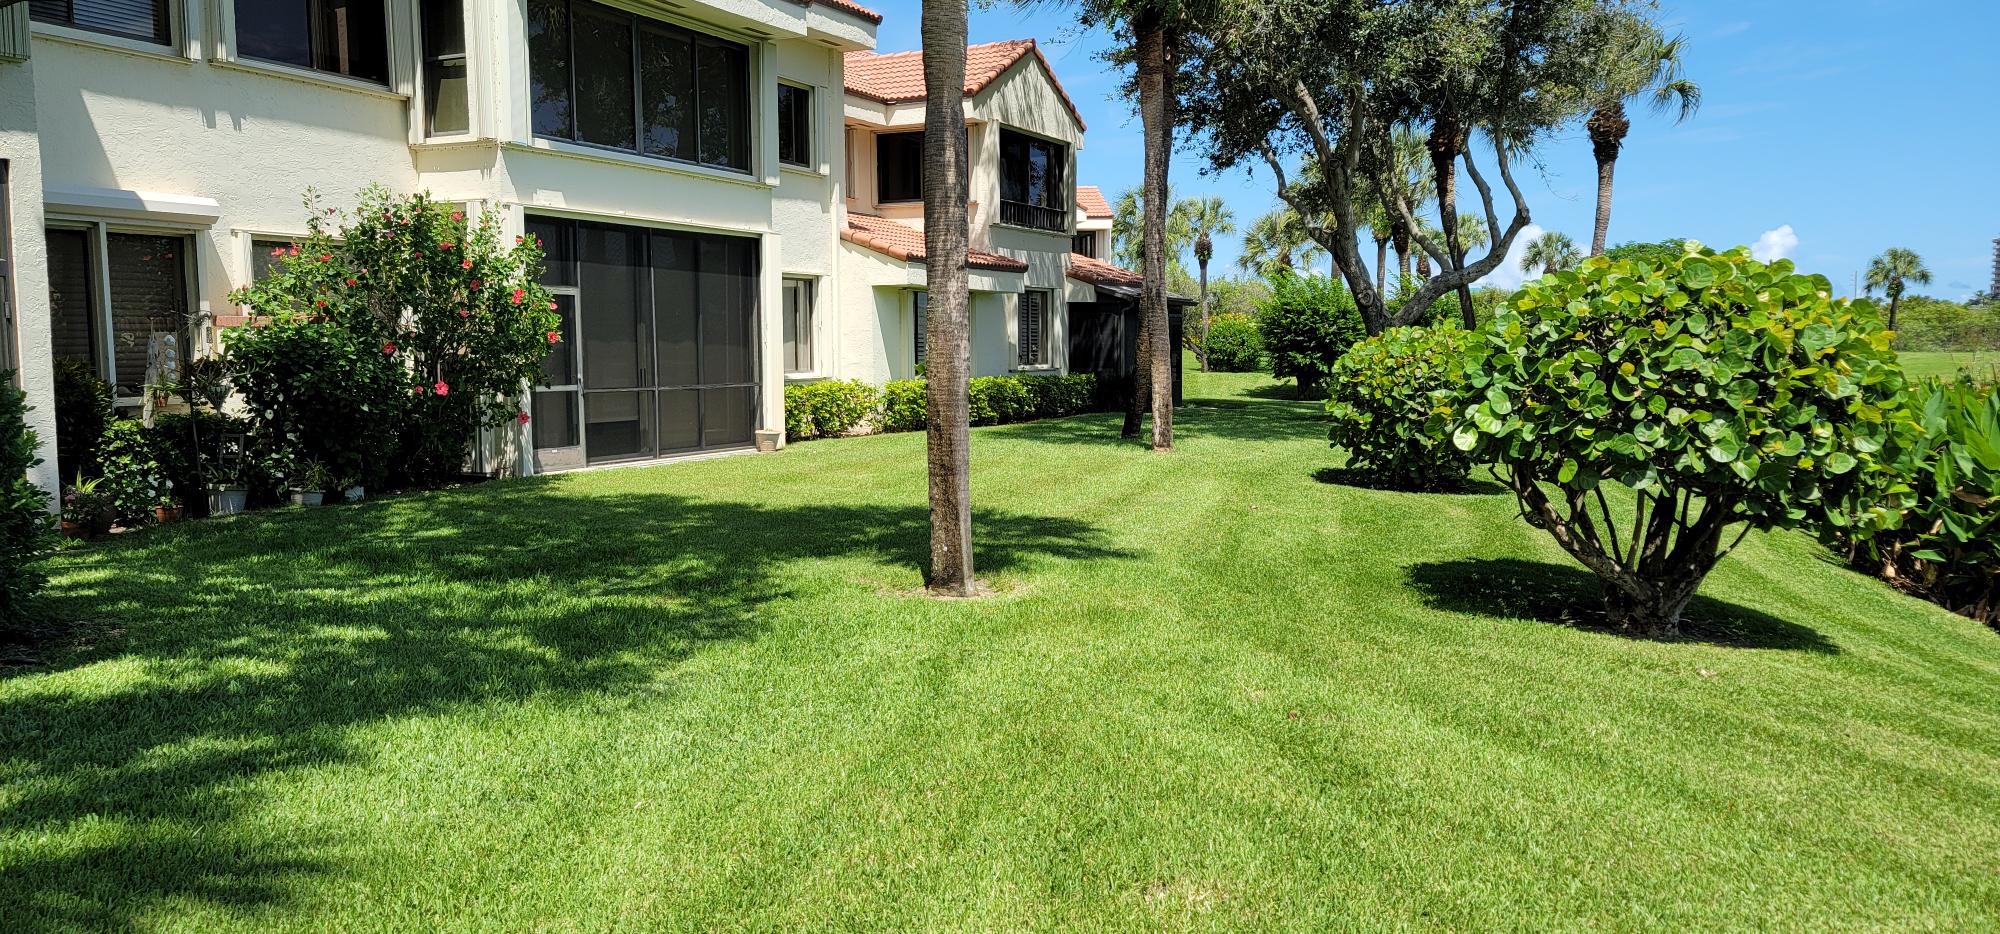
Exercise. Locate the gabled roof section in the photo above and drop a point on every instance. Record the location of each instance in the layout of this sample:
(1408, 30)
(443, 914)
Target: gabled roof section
(1091, 199)
(851, 8)
(898, 77)
(906, 243)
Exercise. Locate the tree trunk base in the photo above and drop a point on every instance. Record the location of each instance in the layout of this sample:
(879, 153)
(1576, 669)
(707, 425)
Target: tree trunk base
(1654, 616)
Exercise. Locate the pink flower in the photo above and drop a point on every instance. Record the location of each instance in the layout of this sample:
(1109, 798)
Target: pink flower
(352, 282)
(520, 294)
(445, 245)
(326, 257)
(295, 249)
(522, 418)
(555, 338)
(389, 347)
(416, 252)
(475, 285)
(441, 387)
(278, 252)
(465, 264)
(458, 215)
(464, 313)
(552, 306)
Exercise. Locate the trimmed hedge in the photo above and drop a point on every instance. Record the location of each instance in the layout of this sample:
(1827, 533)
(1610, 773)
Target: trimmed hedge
(826, 409)
(994, 400)
(1386, 398)
(1234, 346)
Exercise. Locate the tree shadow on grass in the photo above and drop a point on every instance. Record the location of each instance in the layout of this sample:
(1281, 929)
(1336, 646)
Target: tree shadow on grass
(1569, 596)
(266, 639)
(1286, 391)
(1369, 480)
(1229, 419)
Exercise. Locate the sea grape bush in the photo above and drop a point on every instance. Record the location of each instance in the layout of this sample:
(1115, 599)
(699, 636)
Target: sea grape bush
(1386, 398)
(1724, 392)
(1944, 543)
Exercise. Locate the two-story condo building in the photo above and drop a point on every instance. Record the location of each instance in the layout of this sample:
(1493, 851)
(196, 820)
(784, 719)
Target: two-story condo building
(727, 191)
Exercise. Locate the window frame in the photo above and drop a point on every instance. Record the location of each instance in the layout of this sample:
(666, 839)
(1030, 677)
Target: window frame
(881, 167)
(1052, 217)
(1044, 356)
(426, 111)
(699, 36)
(1081, 239)
(806, 124)
(173, 11)
(104, 352)
(920, 299)
(806, 331)
(393, 27)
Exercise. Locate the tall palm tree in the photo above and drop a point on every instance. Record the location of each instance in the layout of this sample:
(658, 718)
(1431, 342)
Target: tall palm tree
(1275, 240)
(1128, 233)
(1205, 217)
(1409, 174)
(1641, 63)
(1891, 272)
(948, 356)
(1552, 251)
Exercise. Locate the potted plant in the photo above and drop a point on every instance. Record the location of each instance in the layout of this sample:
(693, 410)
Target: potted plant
(87, 509)
(168, 509)
(309, 484)
(228, 493)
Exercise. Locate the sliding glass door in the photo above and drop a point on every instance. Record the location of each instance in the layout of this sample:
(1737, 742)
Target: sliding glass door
(659, 355)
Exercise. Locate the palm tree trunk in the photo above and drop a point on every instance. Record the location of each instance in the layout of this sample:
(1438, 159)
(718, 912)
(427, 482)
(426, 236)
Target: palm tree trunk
(1381, 267)
(1607, 127)
(947, 360)
(1895, 299)
(1150, 37)
(1204, 314)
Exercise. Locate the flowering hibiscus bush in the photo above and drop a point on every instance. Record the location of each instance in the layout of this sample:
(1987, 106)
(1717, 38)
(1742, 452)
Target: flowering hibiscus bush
(457, 311)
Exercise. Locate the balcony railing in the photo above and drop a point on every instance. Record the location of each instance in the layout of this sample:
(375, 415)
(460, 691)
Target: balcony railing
(1021, 214)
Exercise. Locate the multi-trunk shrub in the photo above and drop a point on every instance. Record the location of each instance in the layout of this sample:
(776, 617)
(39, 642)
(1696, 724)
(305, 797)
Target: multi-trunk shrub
(1725, 393)
(1386, 400)
(25, 535)
(1305, 325)
(827, 409)
(1944, 543)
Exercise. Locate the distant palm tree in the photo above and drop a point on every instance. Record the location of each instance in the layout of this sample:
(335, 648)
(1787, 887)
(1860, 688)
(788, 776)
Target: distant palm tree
(1277, 240)
(1641, 62)
(1890, 272)
(1553, 251)
(1128, 247)
(1205, 217)
(1471, 232)
(1409, 175)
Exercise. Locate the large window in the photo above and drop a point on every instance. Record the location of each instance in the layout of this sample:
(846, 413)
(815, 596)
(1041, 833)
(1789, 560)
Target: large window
(119, 301)
(899, 166)
(446, 107)
(1032, 189)
(658, 349)
(1031, 328)
(134, 19)
(609, 78)
(794, 125)
(342, 37)
(799, 326)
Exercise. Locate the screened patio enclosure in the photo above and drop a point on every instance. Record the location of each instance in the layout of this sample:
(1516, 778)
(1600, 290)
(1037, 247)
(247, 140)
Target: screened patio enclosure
(658, 355)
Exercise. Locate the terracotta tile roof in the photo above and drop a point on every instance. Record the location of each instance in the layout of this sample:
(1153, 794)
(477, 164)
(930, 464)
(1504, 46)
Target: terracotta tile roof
(898, 77)
(904, 242)
(847, 6)
(1091, 200)
(1117, 280)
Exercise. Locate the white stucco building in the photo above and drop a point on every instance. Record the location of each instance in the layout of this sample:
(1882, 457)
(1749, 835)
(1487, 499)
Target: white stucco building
(723, 187)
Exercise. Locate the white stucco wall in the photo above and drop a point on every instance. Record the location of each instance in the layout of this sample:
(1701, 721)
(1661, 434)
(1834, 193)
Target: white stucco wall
(30, 352)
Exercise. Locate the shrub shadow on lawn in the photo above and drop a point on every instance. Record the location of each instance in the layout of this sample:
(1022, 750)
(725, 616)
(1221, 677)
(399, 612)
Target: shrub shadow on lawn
(1569, 596)
(269, 637)
(1199, 418)
(1367, 480)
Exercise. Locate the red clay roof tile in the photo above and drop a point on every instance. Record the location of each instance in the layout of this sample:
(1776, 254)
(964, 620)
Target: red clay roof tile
(898, 77)
(904, 242)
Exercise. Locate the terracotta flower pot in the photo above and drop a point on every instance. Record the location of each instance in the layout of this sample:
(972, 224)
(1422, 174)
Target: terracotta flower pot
(75, 530)
(167, 513)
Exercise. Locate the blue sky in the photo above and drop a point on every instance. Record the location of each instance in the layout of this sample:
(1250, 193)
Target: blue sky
(1860, 125)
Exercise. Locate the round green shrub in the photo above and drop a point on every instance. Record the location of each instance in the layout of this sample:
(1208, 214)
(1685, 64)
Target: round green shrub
(1722, 391)
(1386, 397)
(1306, 324)
(1233, 344)
(826, 409)
(321, 393)
(904, 406)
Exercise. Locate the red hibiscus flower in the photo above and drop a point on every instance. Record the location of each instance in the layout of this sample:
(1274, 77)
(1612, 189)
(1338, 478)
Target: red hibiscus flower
(326, 257)
(458, 215)
(389, 347)
(464, 313)
(465, 264)
(521, 417)
(520, 294)
(351, 282)
(475, 284)
(554, 338)
(441, 388)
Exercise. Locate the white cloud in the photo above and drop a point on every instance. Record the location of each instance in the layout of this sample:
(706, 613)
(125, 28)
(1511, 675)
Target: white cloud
(1775, 244)
(1509, 276)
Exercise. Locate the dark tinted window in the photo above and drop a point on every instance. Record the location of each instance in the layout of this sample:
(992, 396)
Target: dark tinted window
(445, 101)
(137, 19)
(345, 37)
(72, 308)
(687, 96)
(1031, 170)
(899, 166)
(794, 125)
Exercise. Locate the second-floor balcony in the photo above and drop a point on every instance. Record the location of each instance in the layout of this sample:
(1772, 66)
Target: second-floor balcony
(1023, 214)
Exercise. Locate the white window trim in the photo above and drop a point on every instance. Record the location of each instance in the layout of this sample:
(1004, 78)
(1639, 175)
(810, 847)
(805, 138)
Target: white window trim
(813, 309)
(1048, 333)
(817, 164)
(179, 47)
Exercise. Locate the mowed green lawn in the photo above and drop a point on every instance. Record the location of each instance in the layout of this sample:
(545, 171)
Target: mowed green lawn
(1213, 692)
(1946, 365)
